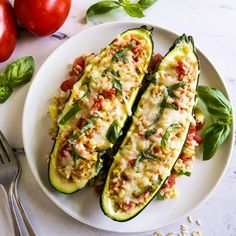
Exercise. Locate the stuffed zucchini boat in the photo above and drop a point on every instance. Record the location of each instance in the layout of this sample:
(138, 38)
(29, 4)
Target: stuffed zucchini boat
(97, 109)
(157, 135)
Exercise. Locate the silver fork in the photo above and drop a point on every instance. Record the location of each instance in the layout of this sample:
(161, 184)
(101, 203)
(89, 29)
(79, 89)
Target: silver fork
(10, 170)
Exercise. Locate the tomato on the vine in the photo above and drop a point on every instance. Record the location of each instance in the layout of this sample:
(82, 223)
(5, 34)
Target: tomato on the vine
(8, 30)
(42, 17)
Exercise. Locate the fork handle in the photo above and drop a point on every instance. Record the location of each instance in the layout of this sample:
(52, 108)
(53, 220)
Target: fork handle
(21, 209)
(16, 224)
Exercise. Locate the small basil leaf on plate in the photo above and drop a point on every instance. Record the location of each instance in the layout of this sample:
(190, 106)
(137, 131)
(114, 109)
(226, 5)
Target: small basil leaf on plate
(125, 2)
(102, 7)
(134, 10)
(20, 72)
(215, 101)
(5, 92)
(144, 4)
(3, 80)
(214, 136)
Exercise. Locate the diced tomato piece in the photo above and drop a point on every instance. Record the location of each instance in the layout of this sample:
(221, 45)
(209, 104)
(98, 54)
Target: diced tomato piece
(171, 180)
(82, 121)
(80, 61)
(97, 105)
(68, 84)
(64, 149)
(199, 125)
(109, 93)
(126, 206)
(198, 138)
(185, 158)
(155, 60)
(192, 129)
(181, 68)
(132, 162)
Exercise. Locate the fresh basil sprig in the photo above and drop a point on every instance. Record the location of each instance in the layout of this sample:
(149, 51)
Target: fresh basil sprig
(17, 73)
(217, 105)
(132, 9)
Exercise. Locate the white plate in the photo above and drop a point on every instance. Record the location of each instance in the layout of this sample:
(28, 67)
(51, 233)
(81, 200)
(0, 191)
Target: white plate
(84, 205)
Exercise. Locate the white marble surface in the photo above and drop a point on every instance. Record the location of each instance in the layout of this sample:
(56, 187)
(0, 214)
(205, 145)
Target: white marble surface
(212, 23)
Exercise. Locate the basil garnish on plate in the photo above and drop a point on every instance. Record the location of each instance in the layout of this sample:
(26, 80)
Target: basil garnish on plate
(219, 106)
(17, 73)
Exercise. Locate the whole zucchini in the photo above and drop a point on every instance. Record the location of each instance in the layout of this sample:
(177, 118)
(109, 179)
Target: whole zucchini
(97, 109)
(157, 135)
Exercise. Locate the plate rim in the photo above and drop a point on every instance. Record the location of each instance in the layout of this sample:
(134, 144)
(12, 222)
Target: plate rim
(55, 201)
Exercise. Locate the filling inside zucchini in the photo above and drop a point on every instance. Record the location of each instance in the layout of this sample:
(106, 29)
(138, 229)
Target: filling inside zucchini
(157, 135)
(97, 109)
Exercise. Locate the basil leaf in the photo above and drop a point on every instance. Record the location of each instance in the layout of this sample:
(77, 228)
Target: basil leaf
(159, 196)
(112, 133)
(117, 85)
(172, 106)
(215, 101)
(70, 113)
(99, 165)
(162, 105)
(3, 80)
(166, 136)
(144, 4)
(134, 10)
(75, 155)
(148, 155)
(137, 163)
(5, 92)
(125, 2)
(149, 133)
(181, 172)
(214, 136)
(122, 52)
(89, 125)
(102, 7)
(20, 72)
(145, 155)
(176, 86)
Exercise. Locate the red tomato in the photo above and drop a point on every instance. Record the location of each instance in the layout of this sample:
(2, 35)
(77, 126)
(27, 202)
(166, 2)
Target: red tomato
(109, 93)
(68, 84)
(171, 180)
(8, 30)
(42, 17)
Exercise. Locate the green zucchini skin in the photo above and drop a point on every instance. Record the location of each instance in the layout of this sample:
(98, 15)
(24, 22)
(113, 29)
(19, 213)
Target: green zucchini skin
(56, 180)
(104, 200)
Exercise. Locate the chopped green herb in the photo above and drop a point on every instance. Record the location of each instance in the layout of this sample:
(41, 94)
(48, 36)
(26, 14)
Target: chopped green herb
(87, 82)
(172, 106)
(145, 155)
(166, 136)
(159, 196)
(125, 59)
(174, 87)
(181, 172)
(149, 133)
(123, 51)
(162, 105)
(112, 133)
(70, 113)
(88, 126)
(115, 73)
(117, 85)
(104, 72)
(75, 155)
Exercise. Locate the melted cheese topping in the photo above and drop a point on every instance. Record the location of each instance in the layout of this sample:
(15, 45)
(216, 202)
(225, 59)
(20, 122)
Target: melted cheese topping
(151, 147)
(107, 90)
